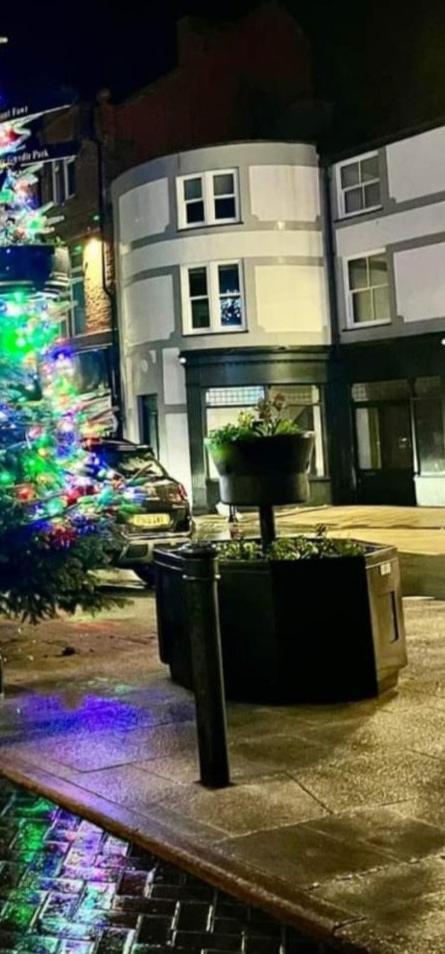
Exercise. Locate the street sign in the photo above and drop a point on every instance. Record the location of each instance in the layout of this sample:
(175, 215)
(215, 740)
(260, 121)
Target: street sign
(25, 113)
(35, 152)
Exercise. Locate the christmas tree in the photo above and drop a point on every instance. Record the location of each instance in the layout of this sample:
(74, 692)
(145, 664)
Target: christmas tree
(49, 547)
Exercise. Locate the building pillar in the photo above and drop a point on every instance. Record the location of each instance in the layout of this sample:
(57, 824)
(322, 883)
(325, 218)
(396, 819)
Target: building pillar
(339, 427)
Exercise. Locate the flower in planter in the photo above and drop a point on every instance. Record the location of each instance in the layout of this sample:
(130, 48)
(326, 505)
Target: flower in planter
(303, 547)
(267, 420)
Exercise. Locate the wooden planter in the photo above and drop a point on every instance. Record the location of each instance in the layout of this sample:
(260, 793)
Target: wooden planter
(321, 630)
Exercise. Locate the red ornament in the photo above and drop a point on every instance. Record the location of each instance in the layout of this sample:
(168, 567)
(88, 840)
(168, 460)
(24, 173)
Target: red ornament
(73, 495)
(25, 492)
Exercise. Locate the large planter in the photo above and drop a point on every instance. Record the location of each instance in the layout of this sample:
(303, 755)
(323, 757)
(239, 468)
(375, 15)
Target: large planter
(264, 470)
(322, 630)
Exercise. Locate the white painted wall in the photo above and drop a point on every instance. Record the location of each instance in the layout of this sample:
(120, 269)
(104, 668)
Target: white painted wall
(292, 298)
(144, 211)
(420, 282)
(416, 166)
(378, 233)
(430, 491)
(284, 193)
(176, 454)
(131, 417)
(174, 377)
(148, 310)
(222, 245)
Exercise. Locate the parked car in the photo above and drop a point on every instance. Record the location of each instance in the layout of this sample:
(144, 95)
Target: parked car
(155, 509)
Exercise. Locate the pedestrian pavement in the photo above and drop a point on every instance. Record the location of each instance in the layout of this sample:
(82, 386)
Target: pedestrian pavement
(335, 820)
(69, 887)
(417, 532)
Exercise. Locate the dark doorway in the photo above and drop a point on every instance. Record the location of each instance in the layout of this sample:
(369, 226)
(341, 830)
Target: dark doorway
(149, 421)
(384, 447)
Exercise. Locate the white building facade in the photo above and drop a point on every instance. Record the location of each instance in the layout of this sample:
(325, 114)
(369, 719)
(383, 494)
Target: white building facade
(250, 268)
(222, 297)
(388, 209)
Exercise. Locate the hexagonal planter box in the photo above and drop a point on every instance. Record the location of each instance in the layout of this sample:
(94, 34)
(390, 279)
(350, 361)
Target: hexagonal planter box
(315, 630)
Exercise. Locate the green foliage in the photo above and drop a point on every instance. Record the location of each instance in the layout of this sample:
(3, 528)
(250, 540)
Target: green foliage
(240, 550)
(266, 421)
(42, 571)
(292, 548)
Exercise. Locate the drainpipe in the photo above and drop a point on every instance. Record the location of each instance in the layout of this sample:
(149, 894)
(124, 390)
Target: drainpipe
(330, 258)
(116, 383)
(344, 462)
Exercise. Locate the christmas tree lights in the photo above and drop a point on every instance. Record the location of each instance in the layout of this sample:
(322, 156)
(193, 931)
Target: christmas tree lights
(49, 547)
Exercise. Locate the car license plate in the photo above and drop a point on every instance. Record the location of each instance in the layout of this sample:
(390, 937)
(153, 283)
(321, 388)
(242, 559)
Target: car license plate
(150, 520)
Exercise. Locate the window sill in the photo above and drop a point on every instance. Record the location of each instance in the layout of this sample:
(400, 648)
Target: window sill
(361, 212)
(212, 331)
(208, 225)
(367, 324)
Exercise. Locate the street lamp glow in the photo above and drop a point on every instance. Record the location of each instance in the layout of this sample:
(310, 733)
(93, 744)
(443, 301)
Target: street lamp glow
(4, 39)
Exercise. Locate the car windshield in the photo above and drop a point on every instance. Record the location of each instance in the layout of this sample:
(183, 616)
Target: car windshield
(136, 464)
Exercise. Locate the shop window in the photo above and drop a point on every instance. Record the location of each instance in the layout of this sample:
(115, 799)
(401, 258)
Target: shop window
(380, 390)
(92, 371)
(359, 185)
(368, 290)
(207, 199)
(304, 403)
(234, 397)
(212, 298)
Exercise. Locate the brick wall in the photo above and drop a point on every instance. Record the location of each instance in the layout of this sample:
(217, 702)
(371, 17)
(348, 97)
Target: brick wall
(97, 300)
(81, 212)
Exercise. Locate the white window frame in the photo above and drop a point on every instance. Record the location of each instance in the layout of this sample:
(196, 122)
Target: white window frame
(341, 191)
(213, 294)
(349, 293)
(64, 163)
(208, 198)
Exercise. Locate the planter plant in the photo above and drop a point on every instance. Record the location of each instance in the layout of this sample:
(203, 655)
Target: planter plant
(263, 459)
(303, 619)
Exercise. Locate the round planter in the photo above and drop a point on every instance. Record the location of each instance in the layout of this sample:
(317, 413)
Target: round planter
(264, 470)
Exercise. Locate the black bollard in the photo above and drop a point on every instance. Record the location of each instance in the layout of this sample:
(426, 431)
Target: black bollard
(267, 526)
(200, 576)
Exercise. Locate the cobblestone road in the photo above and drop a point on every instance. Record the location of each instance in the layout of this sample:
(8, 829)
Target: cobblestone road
(68, 887)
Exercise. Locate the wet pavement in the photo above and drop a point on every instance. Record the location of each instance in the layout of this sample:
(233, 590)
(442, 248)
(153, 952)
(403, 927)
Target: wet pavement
(335, 821)
(69, 887)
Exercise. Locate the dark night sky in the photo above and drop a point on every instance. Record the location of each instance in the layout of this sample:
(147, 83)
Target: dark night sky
(382, 64)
